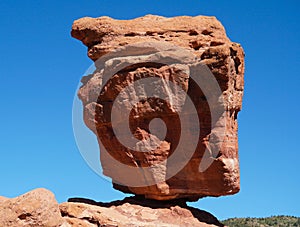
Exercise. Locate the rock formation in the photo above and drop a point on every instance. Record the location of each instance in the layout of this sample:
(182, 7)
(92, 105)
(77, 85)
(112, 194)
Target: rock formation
(165, 130)
(35, 208)
(39, 208)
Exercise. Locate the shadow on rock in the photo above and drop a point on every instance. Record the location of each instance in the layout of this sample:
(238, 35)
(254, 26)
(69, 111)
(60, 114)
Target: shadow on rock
(201, 215)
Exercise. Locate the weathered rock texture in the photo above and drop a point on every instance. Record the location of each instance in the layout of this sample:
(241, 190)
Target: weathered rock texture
(202, 37)
(39, 208)
(35, 208)
(135, 211)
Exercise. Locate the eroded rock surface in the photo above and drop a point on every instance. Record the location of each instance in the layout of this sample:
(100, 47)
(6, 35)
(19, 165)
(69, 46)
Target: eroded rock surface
(163, 159)
(35, 208)
(135, 211)
(39, 208)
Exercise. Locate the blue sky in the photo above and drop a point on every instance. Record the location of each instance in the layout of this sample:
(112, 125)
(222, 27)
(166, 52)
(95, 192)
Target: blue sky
(41, 66)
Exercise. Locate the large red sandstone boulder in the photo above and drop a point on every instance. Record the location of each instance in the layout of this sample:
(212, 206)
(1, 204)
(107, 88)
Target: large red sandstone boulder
(163, 103)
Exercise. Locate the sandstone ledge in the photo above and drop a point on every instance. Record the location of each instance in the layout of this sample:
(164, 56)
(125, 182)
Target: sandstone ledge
(39, 208)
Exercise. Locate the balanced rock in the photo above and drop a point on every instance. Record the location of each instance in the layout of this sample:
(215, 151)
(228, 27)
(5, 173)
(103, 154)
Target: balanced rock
(163, 103)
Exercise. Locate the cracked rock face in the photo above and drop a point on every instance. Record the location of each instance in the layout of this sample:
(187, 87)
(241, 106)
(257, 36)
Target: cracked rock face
(144, 90)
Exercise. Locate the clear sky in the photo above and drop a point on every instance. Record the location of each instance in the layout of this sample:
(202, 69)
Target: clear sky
(41, 65)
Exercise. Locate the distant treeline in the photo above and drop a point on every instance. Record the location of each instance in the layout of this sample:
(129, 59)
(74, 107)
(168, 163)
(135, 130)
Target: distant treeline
(274, 221)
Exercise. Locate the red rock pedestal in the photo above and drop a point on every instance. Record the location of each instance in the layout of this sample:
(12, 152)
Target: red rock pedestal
(163, 102)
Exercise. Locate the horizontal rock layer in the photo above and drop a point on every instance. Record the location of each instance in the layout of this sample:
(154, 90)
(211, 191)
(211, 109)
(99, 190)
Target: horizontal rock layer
(164, 52)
